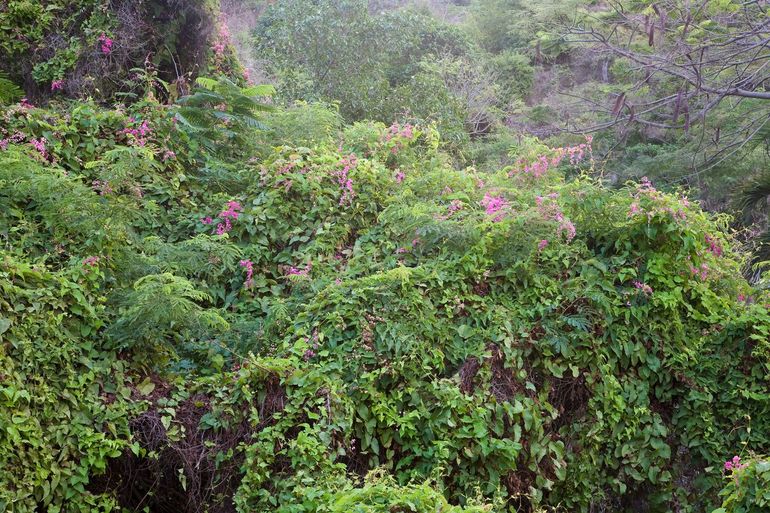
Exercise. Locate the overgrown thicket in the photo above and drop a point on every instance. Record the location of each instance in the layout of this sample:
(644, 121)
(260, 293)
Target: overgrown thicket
(97, 48)
(218, 303)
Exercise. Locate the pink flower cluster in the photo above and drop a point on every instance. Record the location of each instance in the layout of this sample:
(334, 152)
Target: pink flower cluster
(643, 287)
(91, 261)
(400, 176)
(454, 206)
(228, 215)
(543, 163)
(701, 272)
(102, 187)
(715, 248)
(168, 155)
(249, 266)
(16, 138)
(348, 163)
(296, 271)
(39, 145)
(105, 44)
(646, 189)
(139, 133)
(221, 42)
(542, 245)
(550, 210)
(735, 464)
(396, 131)
(57, 85)
(399, 134)
(496, 206)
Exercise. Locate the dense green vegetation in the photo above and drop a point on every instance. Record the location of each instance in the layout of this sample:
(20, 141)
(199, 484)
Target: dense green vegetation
(384, 283)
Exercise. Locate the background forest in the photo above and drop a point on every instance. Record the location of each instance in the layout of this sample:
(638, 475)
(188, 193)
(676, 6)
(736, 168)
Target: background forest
(384, 256)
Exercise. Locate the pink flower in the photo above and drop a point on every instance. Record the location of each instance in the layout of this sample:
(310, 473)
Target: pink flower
(139, 133)
(494, 206)
(102, 187)
(249, 266)
(348, 162)
(714, 246)
(634, 209)
(207, 220)
(4, 144)
(105, 44)
(39, 145)
(57, 85)
(735, 464)
(542, 244)
(296, 271)
(566, 226)
(228, 215)
(400, 251)
(646, 289)
(400, 177)
(91, 261)
(168, 155)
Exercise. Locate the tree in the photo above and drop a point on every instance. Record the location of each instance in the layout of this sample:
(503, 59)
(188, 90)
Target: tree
(684, 59)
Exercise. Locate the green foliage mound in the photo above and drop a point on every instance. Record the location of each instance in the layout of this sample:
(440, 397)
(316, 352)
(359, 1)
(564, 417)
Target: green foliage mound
(261, 326)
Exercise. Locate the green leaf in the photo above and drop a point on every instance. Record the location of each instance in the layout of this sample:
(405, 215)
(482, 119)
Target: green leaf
(146, 387)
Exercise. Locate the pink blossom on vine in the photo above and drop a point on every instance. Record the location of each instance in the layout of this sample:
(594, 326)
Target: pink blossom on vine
(348, 163)
(700, 272)
(91, 261)
(57, 85)
(296, 271)
(715, 247)
(455, 206)
(222, 40)
(495, 206)
(643, 287)
(249, 267)
(140, 133)
(105, 44)
(102, 187)
(228, 215)
(39, 145)
(735, 464)
(542, 163)
(566, 227)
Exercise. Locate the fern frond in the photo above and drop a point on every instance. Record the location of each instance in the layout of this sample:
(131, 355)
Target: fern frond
(9, 91)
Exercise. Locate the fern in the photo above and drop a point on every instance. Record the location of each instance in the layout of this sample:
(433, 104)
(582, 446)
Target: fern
(203, 257)
(9, 91)
(220, 111)
(161, 305)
